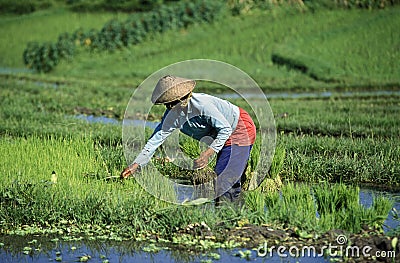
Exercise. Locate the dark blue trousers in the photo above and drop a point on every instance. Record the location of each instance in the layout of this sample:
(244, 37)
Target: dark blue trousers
(231, 164)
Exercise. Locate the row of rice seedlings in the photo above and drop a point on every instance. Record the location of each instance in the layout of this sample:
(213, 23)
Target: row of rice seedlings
(338, 206)
(315, 159)
(361, 116)
(45, 181)
(318, 208)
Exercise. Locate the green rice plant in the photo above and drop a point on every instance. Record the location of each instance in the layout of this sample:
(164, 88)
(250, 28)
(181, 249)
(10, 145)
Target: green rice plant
(277, 162)
(338, 206)
(255, 204)
(293, 206)
(49, 111)
(368, 160)
(298, 206)
(368, 115)
(376, 215)
(319, 208)
(38, 157)
(190, 146)
(45, 182)
(331, 198)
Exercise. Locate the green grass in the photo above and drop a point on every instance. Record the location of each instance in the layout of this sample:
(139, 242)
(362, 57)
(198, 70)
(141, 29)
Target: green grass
(321, 40)
(324, 139)
(316, 159)
(28, 108)
(41, 188)
(46, 181)
(297, 206)
(42, 26)
(373, 116)
(338, 205)
(326, 31)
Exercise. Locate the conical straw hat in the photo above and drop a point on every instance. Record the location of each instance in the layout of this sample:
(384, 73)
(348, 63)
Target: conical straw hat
(170, 88)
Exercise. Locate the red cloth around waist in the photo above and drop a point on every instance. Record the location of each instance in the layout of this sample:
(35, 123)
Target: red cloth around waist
(245, 132)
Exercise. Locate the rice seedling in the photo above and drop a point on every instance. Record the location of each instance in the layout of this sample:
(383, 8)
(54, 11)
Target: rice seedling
(255, 203)
(315, 159)
(338, 206)
(29, 196)
(330, 199)
(318, 208)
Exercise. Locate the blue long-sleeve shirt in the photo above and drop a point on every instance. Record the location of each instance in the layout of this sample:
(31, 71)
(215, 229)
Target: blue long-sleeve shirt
(205, 115)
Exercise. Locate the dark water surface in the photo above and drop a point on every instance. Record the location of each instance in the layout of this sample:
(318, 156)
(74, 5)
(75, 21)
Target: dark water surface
(45, 251)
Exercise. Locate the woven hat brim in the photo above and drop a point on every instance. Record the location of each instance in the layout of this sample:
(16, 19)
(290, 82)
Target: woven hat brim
(174, 92)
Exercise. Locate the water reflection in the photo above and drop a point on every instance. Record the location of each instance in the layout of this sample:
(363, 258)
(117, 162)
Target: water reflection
(16, 250)
(366, 198)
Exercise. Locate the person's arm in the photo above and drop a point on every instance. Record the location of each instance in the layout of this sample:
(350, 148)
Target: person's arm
(224, 131)
(159, 135)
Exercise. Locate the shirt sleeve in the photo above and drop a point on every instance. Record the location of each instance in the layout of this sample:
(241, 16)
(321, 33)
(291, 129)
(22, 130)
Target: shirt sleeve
(160, 134)
(223, 127)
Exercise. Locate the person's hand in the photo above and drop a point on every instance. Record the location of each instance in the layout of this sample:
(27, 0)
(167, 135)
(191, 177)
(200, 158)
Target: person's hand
(202, 161)
(131, 169)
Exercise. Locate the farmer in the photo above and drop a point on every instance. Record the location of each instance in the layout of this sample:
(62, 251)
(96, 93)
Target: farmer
(229, 130)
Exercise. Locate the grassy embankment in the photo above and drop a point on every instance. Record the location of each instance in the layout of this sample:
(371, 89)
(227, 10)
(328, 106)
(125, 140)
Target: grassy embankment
(322, 40)
(353, 140)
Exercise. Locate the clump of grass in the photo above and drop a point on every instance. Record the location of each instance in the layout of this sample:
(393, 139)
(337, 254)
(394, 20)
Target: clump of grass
(318, 208)
(273, 182)
(255, 203)
(297, 206)
(338, 206)
(332, 198)
(315, 159)
(44, 182)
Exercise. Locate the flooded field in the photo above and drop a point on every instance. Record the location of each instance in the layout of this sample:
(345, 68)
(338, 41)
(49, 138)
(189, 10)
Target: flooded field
(41, 249)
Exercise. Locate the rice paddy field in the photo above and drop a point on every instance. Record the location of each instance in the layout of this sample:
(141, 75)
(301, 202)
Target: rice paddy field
(331, 77)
